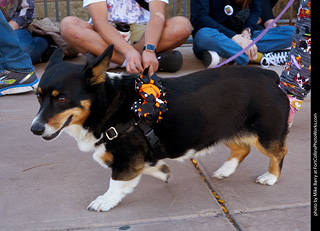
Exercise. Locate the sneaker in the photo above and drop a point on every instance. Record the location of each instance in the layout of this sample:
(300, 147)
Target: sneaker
(170, 61)
(275, 58)
(211, 59)
(14, 83)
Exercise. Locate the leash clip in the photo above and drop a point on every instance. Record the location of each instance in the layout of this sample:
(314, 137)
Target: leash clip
(112, 129)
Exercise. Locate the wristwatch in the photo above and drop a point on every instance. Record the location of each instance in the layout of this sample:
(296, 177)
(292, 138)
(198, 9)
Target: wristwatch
(150, 48)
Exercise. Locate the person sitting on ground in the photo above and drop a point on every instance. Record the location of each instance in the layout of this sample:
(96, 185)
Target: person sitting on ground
(19, 14)
(17, 74)
(151, 34)
(222, 28)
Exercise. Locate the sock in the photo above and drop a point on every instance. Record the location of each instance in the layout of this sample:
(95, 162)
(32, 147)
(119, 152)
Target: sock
(113, 65)
(259, 57)
(124, 64)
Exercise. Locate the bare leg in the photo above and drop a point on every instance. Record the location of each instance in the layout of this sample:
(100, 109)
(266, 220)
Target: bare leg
(81, 35)
(176, 31)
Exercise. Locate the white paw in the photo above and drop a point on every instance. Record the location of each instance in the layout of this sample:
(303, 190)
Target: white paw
(116, 192)
(226, 169)
(267, 179)
(102, 204)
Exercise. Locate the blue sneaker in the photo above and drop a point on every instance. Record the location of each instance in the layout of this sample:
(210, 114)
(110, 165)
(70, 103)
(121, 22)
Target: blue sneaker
(14, 83)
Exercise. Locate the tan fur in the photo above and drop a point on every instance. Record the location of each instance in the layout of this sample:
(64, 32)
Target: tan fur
(240, 149)
(39, 90)
(276, 154)
(99, 72)
(107, 158)
(79, 115)
(55, 93)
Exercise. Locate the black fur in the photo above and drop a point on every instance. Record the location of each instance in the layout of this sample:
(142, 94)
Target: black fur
(205, 108)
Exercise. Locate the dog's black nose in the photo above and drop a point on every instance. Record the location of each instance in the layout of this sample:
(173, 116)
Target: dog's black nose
(37, 128)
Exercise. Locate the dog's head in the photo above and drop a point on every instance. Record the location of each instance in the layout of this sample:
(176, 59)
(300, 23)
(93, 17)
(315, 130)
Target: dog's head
(62, 93)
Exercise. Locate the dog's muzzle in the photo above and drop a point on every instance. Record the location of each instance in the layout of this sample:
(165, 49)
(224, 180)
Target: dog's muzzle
(39, 128)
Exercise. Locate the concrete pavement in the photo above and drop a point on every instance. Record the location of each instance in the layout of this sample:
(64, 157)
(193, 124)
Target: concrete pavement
(48, 185)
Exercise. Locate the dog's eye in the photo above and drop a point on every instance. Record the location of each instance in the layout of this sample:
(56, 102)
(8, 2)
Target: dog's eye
(38, 95)
(62, 99)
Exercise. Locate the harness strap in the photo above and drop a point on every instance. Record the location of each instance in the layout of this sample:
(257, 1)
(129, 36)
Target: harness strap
(151, 106)
(113, 132)
(152, 139)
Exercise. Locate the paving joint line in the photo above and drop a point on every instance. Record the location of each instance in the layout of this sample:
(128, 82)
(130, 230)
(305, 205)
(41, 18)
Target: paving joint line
(215, 195)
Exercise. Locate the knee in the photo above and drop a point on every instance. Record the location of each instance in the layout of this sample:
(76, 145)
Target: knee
(206, 32)
(68, 26)
(205, 36)
(181, 28)
(288, 29)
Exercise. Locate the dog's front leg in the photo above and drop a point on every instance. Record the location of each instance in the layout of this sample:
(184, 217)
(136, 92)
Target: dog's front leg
(117, 191)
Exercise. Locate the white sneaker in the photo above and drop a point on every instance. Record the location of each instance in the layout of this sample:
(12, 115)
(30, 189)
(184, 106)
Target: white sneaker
(211, 59)
(275, 58)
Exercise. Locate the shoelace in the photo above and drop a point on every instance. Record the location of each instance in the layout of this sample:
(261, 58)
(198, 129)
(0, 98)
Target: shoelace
(274, 58)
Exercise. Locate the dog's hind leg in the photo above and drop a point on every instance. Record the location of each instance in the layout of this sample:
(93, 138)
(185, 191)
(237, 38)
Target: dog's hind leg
(276, 152)
(118, 189)
(160, 171)
(239, 150)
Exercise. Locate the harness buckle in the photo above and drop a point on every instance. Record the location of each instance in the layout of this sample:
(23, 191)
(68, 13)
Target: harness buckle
(111, 136)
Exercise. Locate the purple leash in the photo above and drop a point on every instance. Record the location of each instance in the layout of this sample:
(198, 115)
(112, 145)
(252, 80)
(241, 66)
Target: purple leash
(257, 38)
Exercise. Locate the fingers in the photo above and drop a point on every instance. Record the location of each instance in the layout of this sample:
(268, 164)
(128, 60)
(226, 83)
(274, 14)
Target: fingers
(252, 52)
(136, 63)
(153, 67)
(133, 60)
(132, 68)
(150, 60)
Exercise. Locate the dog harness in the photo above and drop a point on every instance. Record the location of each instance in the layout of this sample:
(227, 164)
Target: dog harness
(148, 109)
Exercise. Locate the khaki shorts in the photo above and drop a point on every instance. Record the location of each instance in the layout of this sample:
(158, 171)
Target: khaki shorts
(137, 30)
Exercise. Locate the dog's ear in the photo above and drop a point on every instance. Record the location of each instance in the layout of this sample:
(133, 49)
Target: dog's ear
(99, 66)
(90, 57)
(56, 57)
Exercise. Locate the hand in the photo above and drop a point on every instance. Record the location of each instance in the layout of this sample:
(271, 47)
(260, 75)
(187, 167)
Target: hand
(246, 33)
(243, 43)
(133, 60)
(150, 60)
(267, 23)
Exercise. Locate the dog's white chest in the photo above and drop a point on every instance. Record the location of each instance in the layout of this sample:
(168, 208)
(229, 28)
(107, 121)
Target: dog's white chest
(86, 140)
